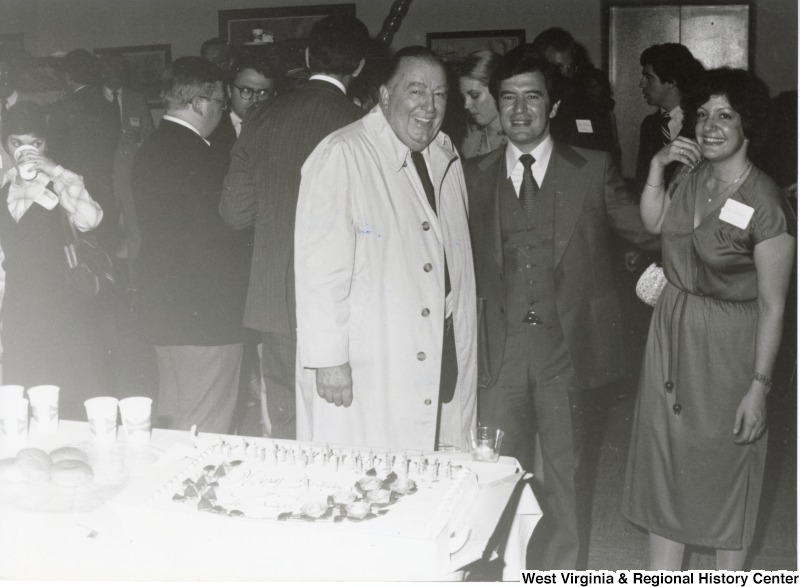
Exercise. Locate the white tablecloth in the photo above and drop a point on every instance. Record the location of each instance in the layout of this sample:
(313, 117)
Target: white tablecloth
(98, 545)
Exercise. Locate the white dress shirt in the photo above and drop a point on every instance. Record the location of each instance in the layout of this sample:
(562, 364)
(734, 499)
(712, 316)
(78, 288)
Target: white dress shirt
(514, 168)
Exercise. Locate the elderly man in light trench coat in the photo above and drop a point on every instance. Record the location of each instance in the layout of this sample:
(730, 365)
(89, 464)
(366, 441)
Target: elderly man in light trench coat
(380, 272)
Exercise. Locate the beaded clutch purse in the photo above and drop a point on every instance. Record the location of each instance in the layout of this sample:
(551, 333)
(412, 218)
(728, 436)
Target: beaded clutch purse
(650, 284)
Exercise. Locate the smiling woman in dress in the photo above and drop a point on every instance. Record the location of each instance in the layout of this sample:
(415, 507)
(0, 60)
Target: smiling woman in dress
(484, 133)
(698, 449)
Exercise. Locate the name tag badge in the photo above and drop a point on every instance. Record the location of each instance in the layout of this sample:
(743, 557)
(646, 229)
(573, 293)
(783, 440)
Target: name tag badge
(736, 213)
(584, 126)
(134, 121)
(47, 199)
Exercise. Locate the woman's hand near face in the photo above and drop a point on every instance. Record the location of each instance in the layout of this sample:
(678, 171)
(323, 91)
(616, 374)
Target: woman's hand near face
(682, 149)
(40, 162)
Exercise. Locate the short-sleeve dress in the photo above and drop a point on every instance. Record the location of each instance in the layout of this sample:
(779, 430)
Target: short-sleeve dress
(686, 479)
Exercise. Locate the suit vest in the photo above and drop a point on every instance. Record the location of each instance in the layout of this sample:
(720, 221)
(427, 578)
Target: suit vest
(528, 266)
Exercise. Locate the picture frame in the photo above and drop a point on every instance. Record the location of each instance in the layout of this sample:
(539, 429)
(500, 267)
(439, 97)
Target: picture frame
(146, 64)
(454, 46)
(284, 27)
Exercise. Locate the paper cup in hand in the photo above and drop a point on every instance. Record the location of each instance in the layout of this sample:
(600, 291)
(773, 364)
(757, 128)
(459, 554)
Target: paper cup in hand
(14, 421)
(44, 405)
(102, 415)
(135, 412)
(26, 170)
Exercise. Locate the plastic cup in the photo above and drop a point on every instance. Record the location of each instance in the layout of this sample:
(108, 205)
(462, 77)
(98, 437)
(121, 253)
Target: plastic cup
(10, 393)
(44, 405)
(26, 170)
(135, 412)
(14, 421)
(485, 443)
(101, 412)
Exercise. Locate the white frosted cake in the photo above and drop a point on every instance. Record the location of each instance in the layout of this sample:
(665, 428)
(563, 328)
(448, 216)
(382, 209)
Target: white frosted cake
(415, 496)
(298, 507)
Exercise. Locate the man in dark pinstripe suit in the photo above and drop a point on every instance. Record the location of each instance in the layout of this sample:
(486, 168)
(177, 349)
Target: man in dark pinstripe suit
(262, 186)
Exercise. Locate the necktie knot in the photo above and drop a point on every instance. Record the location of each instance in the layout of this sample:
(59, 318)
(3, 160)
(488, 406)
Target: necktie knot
(527, 160)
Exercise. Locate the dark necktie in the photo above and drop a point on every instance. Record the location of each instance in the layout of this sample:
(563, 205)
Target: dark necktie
(666, 137)
(449, 368)
(115, 104)
(529, 187)
(427, 185)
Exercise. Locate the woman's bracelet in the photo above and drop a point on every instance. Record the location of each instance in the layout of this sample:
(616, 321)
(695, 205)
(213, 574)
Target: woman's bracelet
(661, 185)
(762, 379)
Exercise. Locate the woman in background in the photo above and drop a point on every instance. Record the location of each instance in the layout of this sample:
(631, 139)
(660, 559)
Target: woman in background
(45, 334)
(698, 448)
(484, 133)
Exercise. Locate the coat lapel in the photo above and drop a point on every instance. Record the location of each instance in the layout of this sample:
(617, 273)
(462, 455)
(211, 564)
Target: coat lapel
(570, 195)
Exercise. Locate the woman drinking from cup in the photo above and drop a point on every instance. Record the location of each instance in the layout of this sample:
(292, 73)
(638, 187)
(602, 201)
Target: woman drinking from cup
(45, 332)
(484, 133)
(698, 449)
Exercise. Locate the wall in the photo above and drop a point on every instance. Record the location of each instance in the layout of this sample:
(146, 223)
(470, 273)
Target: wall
(61, 25)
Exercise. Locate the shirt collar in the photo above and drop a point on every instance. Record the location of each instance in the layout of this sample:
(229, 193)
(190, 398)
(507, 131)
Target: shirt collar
(330, 80)
(235, 119)
(541, 153)
(12, 99)
(186, 124)
(109, 93)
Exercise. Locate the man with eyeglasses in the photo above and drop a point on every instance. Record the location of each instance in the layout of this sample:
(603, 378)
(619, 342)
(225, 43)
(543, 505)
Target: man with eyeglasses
(192, 269)
(261, 190)
(254, 82)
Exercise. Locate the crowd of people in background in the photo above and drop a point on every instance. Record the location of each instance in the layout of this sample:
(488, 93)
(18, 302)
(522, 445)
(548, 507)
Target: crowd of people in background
(312, 257)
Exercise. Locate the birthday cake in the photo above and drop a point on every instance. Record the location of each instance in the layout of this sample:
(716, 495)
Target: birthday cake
(273, 496)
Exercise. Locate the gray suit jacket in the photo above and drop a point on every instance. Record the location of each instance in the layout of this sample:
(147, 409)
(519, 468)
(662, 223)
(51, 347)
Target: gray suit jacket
(591, 200)
(262, 186)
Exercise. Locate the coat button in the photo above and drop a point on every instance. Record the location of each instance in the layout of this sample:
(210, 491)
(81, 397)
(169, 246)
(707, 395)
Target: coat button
(677, 409)
(420, 356)
(428, 402)
(502, 309)
(426, 225)
(669, 386)
(528, 266)
(427, 267)
(425, 312)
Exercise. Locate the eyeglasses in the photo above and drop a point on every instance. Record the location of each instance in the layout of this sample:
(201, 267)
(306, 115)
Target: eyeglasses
(248, 93)
(222, 101)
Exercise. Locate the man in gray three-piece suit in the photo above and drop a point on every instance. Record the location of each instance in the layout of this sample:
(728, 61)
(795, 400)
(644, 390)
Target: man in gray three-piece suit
(541, 216)
(262, 186)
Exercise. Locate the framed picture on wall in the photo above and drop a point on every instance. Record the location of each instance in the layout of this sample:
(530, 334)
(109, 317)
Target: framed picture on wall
(146, 63)
(453, 46)
(276, 24)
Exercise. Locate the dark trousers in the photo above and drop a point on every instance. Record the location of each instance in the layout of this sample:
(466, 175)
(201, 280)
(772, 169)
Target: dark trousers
(529, 397)
(278, 354)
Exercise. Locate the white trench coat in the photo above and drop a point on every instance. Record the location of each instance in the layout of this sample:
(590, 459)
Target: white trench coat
(369, 271)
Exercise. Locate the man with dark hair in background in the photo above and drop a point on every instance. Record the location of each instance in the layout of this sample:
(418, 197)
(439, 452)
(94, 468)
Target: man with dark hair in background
(219, 52)
(192, 269)
(85, 129)
(541, 218)
(585, 117)
(254, 81)
(668, 71)
(136, 125)
(262, 186)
